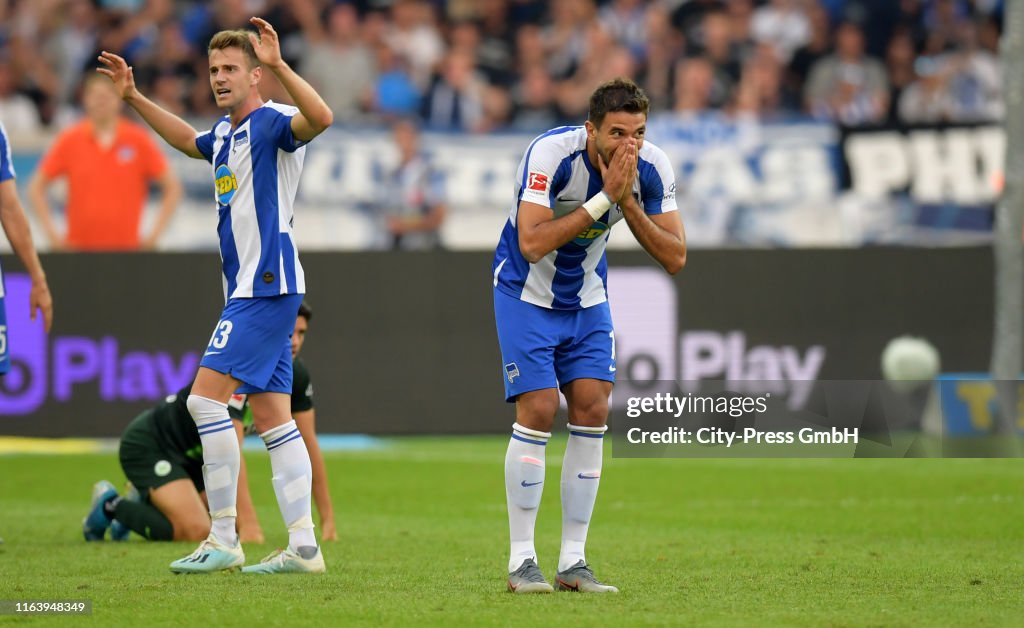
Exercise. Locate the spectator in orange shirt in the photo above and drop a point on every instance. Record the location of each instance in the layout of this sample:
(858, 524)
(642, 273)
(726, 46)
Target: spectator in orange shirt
(108, 163)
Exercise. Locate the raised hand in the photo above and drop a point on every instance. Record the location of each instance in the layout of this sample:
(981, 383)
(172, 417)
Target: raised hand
(119, 72)
(266, 45)
(618, 175)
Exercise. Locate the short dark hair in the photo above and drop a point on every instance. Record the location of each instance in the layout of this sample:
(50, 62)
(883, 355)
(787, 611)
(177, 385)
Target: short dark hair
(238, 38)
(619, 94)
(305, 311)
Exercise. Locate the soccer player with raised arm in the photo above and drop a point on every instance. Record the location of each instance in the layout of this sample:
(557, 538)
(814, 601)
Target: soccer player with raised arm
(256, 151)
(551, 309)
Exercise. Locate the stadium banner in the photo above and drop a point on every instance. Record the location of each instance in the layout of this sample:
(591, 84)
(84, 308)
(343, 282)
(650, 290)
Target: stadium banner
(404, 343)
(740, 181)
(925, 183)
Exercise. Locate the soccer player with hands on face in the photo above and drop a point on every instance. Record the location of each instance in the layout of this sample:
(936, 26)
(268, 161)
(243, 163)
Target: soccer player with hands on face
(256, 152)
(551, 309)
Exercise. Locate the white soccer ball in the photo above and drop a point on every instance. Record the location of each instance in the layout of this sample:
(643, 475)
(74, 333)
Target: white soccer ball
(911, 360)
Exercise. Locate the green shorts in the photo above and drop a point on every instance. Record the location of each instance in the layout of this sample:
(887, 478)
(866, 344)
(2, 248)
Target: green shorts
(148, 464)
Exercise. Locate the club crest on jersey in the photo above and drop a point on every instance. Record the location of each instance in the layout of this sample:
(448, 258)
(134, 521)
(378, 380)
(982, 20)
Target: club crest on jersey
(538, 182)
(590, 234)
(511, 371)
(125, 154)
(162, 468)
(226, 184)
(241, 139)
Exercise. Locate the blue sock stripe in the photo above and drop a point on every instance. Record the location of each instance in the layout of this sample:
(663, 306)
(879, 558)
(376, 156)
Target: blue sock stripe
(218, 429)
(280, 438)
(273, 447)
(587, 434)
(527, 440)
(204, 426)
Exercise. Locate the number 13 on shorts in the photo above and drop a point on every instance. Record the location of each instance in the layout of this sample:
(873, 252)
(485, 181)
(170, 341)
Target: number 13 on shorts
(220, 336)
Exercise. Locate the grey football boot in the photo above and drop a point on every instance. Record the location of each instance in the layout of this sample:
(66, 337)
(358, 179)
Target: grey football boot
(528, 579)
(581, 578)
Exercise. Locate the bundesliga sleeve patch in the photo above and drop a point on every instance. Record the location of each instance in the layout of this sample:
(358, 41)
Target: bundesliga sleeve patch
(538, 182)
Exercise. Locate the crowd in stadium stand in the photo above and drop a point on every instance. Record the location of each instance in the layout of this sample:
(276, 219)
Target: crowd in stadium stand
(482, 65)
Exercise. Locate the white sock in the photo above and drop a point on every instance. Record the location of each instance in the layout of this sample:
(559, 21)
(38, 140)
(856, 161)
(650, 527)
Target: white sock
(524, 486)
(581, 474)
(293, 482)
(221, 459)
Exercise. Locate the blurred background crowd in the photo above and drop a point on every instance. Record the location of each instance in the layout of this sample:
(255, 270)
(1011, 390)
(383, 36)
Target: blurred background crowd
(482, 65)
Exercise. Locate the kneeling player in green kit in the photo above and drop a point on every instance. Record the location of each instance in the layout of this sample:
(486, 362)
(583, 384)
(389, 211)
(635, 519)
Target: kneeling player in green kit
(162, 457)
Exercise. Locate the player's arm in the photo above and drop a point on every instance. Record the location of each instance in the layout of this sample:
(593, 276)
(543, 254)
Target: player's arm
(306, 422)
(15, 225)
(249, 530)
(175, 131)
(314, 115)
(540, 233)
(170, 188)
(661, 235)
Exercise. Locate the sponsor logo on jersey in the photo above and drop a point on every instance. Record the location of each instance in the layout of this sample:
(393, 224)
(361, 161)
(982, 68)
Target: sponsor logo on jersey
(538, 182)
(590, 234)
(226, 184)
(162, 468)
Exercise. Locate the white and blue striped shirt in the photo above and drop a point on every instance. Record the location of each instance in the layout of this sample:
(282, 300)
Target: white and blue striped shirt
(6, 174)
(6, 161)
(556, 173)
(256, 169)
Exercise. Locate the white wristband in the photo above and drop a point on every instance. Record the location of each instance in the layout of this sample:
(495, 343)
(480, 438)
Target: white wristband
(598, 205)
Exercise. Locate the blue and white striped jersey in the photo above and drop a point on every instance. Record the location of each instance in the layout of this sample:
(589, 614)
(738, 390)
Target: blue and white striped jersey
(6, 173)
(6, 161)
(556, 173)
(256, 169)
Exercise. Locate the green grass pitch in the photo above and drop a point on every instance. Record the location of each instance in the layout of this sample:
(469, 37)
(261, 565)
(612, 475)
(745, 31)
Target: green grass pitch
(424, 541)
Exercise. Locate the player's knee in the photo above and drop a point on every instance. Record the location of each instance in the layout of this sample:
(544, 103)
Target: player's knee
(537, 412)
(202, 408)
(589, 412)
